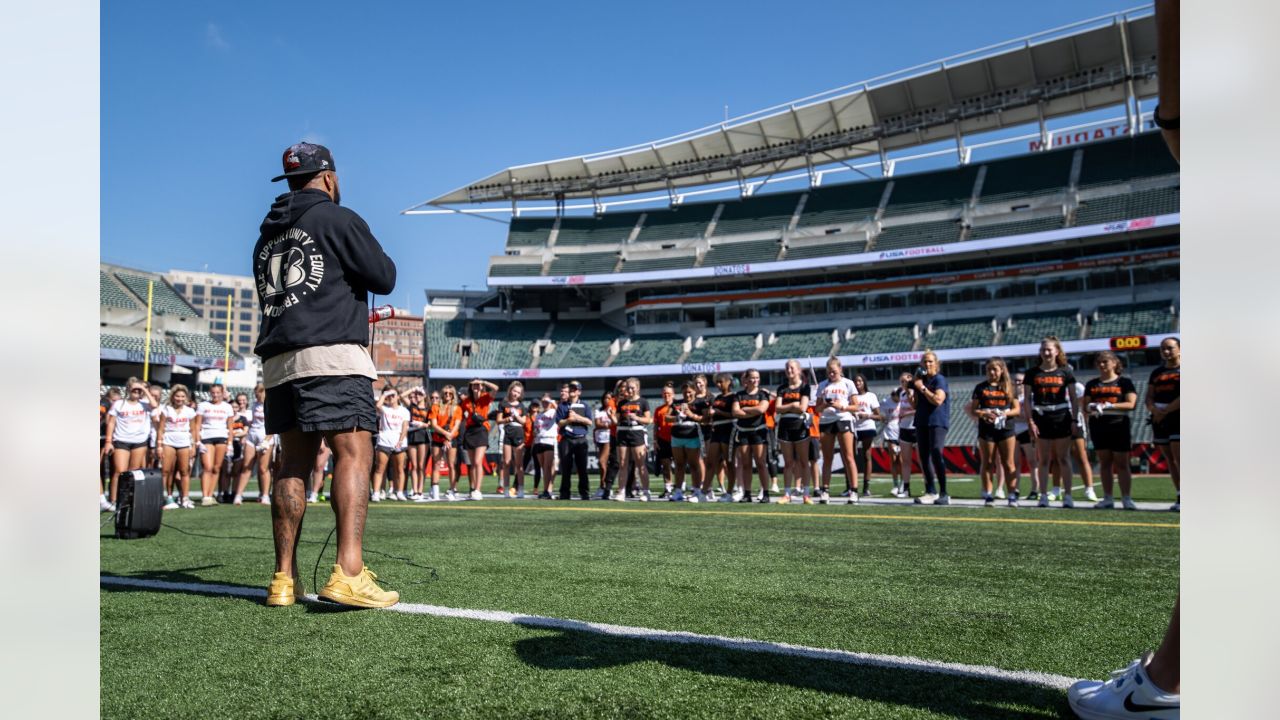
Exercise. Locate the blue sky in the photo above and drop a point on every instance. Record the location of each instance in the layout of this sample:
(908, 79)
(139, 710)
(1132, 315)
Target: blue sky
(415, 99)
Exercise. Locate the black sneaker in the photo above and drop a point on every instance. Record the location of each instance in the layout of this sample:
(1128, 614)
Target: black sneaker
(745, 498)
(563, 497)
(544, 495)
(866, 492)
(1034, 495)
(583, 496)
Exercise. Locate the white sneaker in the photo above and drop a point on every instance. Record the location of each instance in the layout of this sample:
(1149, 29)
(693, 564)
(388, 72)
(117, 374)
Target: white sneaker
(1044, 501)
(824, 498)
(620, 496)
(1000, 492)
(737, 496)
(265, 499)
(313, 498)
(1129, 693)
(1067, 502)
(1105, 504)
(697, 496)
(238, 500)
(188, 504)
(1053, 494)
(105, 505)
(171, 505)
(401, 497)
(1127, 503)
(774, 488)
(477, 495)
(1090, 495)
(375, 497)
(424, 498)
(853, 499)
(644, 497)
(927, 499)
(677, 495)
(451, 496)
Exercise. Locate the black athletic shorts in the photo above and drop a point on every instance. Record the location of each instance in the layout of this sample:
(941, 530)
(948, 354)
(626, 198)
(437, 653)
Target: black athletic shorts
(1111, 433)
(864, 435)
(1077, 431)
(792, 432)
(539, 448)
(756, 436)
(988, 432)
(1166, 430)
(664, 449)
(322, 403)
(836, 427)
(513, 435)
(1054, 425)
(208, 441)
(722, 434)
(907, 435)
(631, 438)
(476, 437)
(389, 450)
(1024, 438)
(418, 437)
(129, 446)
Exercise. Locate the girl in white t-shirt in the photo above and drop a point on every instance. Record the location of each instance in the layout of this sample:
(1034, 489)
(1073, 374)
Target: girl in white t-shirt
(128, 429)
(173, 432)
(835, 407)
(210, 428)
(866, 411)
(906, 414)
(257, 448)
(545, 431)
(393, 439)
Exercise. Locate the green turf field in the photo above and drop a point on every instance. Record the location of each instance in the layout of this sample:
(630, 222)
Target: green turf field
(1075, 593)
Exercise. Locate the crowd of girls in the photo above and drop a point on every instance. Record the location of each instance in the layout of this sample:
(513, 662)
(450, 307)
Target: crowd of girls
(709, 445)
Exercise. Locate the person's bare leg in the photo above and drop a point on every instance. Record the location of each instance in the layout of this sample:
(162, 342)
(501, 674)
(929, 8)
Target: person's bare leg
(289, 501)
(353, 457)
(1165, 668)
(1105, 465)
(1175, 464)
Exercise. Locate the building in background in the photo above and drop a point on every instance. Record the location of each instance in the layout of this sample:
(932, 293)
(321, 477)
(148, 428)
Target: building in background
(208, 292)
(396, 344)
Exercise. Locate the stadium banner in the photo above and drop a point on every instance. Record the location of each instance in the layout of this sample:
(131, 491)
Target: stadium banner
(191, 361)
(710, 368)
(866, 258)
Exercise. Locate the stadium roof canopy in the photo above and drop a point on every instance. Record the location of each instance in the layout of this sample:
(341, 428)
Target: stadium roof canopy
(1101, 62)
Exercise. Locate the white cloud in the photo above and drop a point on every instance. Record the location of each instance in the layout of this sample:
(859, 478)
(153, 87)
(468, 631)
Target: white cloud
(214, 39)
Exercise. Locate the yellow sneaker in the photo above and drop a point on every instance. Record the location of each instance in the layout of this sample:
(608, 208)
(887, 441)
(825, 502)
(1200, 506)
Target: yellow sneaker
(784, 500)
(357, 591)
(284, 590)
(808, 500)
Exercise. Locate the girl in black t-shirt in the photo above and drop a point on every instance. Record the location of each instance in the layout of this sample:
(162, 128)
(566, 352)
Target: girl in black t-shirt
(749, 407)
(686, 442)
(720, 446)
(792, 411)
(1109, 400)
(1049, 394)
(994, 406)
(1163, 402)
(633, 448)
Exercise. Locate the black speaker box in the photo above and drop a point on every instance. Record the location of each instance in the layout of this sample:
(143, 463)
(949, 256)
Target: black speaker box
(139, 503)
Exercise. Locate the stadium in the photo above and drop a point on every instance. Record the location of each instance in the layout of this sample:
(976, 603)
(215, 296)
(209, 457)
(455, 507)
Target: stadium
(964, 209)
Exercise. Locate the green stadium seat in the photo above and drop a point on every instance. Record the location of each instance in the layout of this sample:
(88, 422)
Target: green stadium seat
(723, 348)
(579, 344)
(110, 294)
(937, 232)
(608, 229)
(931, 191)
(138, 344)
(1015, 227)
(200, 345)
(844, 203)
(164, 299)
(513, 270)
(672, 261)
(584, 264)
(1028, 174)
(959, 334)
(652, 350)
(1033, 328)
(1117, 161)
(805, 252)
(1139, 319)
(755, 251)
(896, 338)
(498, 344)
(529, 232)
(1128, 206)
(684, 222)
(760, 213)
(442, 341)
(798, 345)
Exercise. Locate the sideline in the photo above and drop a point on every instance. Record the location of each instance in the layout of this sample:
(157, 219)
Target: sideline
(985, 672)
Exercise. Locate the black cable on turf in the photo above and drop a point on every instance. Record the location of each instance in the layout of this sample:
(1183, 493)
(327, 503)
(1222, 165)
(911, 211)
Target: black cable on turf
(110, 517)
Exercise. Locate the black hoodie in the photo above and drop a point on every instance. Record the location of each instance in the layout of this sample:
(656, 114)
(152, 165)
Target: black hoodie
(315, 264)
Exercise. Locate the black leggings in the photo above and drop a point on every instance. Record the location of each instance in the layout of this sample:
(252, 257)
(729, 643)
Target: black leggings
(930, 441)
(575, 455)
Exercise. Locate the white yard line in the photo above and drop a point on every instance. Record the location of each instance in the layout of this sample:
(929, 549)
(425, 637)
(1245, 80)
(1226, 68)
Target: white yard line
(1026, 677)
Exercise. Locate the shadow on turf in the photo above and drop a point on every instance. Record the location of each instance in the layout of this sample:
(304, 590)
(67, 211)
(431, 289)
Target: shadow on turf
(954, 696)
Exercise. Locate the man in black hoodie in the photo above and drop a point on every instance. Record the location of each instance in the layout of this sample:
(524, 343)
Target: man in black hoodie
(315, 263)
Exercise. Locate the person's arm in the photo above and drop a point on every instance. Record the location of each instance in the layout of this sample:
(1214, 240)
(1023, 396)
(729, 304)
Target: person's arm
(363, 260)
(875, 411)
(562, 416)
(1167, 57)
(935, 397)
(585, 420)
(1129, 403)
(404, 432)
(1029, 401)
(111, 430)
(197, 423)
(1015, 408)
(971, 409)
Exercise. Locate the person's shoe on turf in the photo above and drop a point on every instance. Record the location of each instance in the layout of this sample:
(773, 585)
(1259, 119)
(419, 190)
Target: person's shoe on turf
(1127, 503)
(988, 500)
(1067, 502)
(1044, 501)
(172, 505)
(284, 590)
(943, 499)
(359, 590)
(806, 500)
(1090, 495)
(1129, 693)
(1106, 503)
(1013, 499)
(477, 495)
(824, 497)
(451, 496)
(208, 501)
(927, 499)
